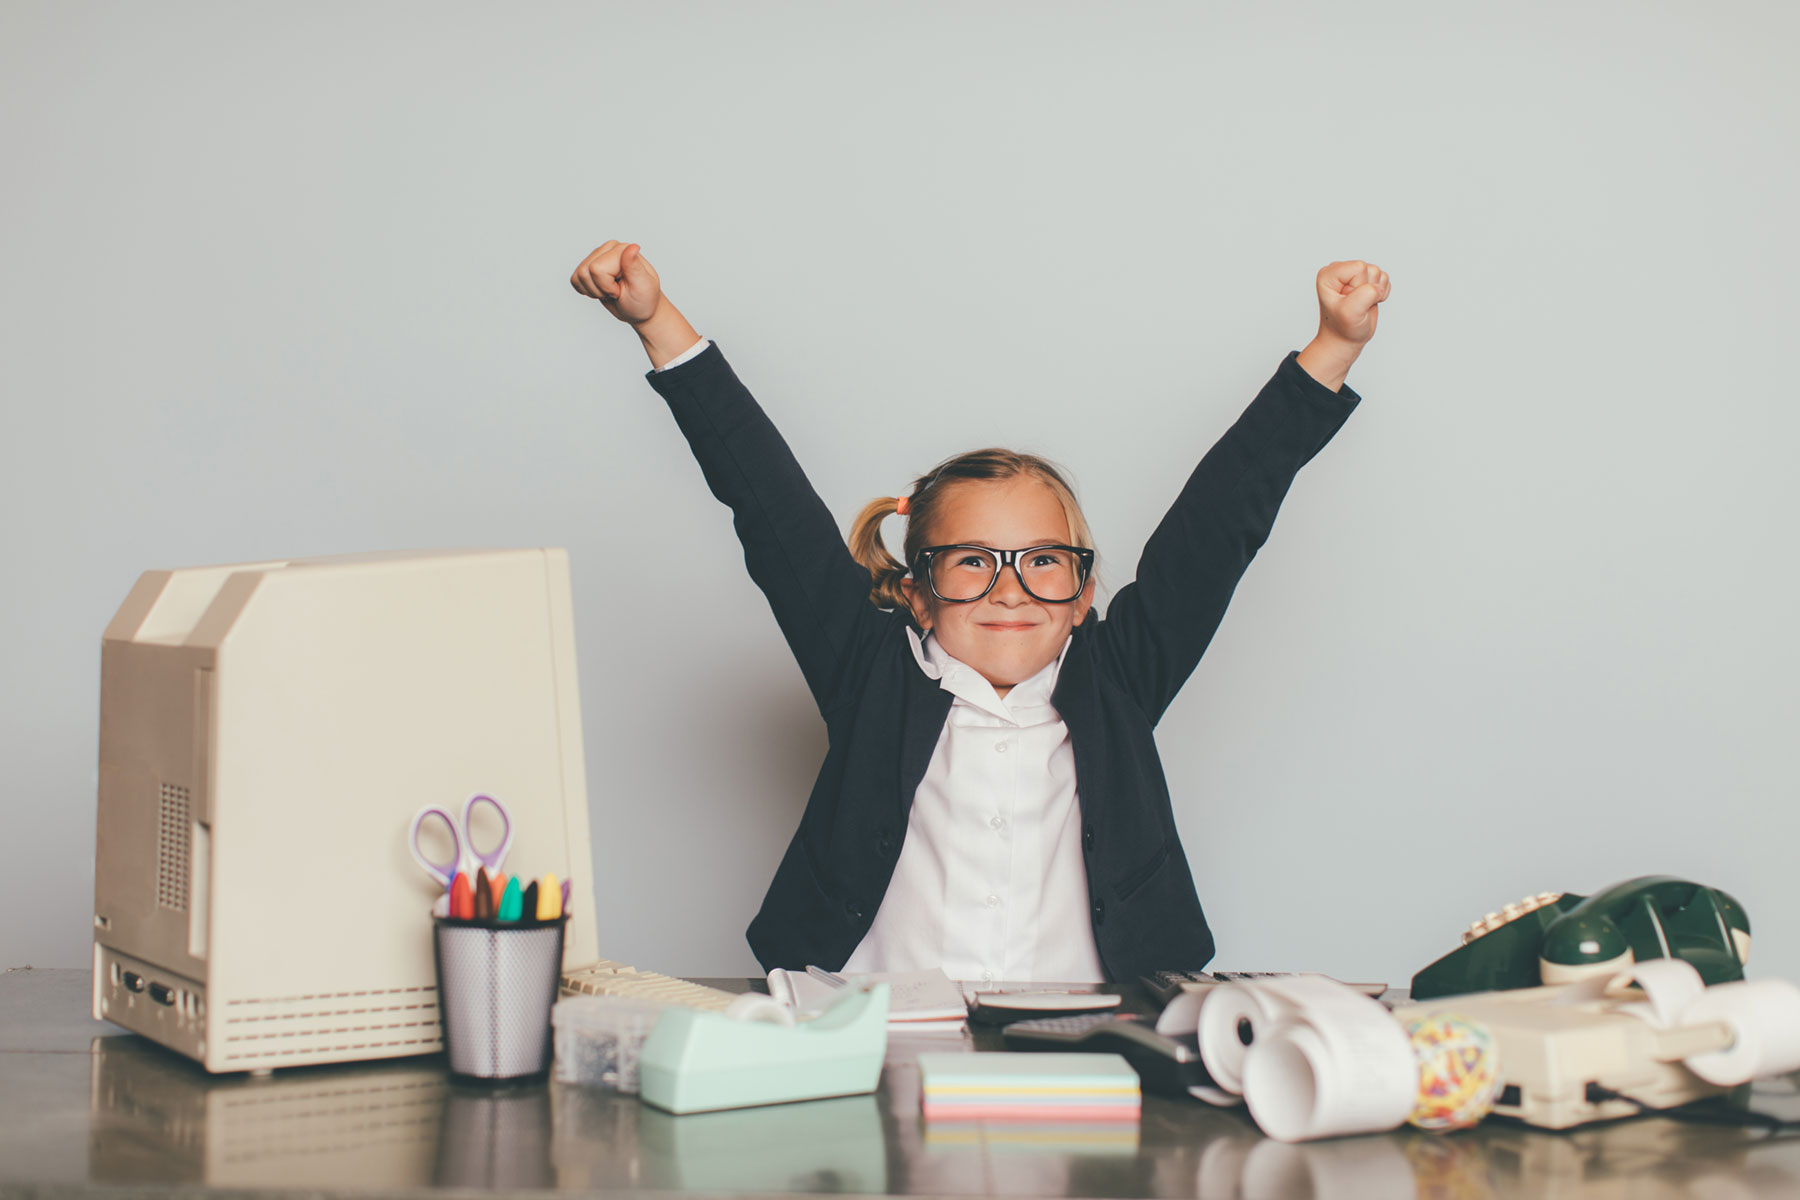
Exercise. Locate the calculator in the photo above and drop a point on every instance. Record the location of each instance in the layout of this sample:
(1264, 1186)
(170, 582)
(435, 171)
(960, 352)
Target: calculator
(1165, 1063)
(1164, 986)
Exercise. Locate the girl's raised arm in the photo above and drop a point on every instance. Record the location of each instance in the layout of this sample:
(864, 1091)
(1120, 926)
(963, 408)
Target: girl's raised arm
(792, 547)
(1158, 626)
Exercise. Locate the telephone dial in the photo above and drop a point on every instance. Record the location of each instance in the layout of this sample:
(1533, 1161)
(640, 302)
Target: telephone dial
(1558, 938)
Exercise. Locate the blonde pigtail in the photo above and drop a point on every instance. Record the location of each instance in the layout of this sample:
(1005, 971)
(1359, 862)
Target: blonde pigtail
(869, 550)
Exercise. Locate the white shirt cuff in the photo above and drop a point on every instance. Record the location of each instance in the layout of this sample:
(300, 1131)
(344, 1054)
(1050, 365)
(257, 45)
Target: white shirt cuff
(690, 352)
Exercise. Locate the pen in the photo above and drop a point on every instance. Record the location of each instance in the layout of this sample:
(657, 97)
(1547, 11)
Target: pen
(831, 977)
(462, 899)
(511, 906)
(549, 899)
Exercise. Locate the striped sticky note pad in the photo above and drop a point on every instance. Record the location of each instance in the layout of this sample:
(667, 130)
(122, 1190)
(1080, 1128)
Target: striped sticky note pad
(1012, 1086)
(1012, 1071)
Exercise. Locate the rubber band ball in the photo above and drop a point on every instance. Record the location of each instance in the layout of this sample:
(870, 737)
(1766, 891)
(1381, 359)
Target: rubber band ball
(1459, 1071)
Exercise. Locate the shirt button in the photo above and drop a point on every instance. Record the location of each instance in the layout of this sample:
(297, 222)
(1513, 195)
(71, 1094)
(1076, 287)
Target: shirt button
(993, 901)
(1000, 748)
(996, 822)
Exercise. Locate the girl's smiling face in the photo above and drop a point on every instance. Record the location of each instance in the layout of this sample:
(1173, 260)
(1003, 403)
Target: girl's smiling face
(1006, 635)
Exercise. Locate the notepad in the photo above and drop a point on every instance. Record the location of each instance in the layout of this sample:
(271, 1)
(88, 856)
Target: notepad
(918, 1001)
(1028, 1087)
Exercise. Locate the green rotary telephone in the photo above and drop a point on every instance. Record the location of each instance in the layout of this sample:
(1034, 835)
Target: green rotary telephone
(1550, 938)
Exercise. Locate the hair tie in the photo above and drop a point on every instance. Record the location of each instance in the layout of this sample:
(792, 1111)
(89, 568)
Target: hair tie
(903, 504)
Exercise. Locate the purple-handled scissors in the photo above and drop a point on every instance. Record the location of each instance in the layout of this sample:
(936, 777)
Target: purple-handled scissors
(465, 856)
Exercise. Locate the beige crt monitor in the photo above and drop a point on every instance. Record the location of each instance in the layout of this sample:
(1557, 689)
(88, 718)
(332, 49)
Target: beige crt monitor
(267, 731)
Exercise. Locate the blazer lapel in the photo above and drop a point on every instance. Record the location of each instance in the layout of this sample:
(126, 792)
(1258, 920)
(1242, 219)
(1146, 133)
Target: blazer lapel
(1075, 698)
(927, 708)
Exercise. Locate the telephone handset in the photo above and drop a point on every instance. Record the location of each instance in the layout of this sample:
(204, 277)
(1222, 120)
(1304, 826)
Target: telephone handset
(1551, 938)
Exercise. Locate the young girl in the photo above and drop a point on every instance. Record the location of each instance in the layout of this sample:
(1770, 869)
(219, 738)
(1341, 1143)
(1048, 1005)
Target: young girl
(991, 800)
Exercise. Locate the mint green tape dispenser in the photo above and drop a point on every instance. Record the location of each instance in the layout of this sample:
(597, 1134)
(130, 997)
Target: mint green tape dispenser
(697, 1061)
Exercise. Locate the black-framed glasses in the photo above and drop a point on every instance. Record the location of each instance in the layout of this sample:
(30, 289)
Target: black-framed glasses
(963, 573)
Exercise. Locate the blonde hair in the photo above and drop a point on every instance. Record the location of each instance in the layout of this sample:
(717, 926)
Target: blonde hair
(886, 572)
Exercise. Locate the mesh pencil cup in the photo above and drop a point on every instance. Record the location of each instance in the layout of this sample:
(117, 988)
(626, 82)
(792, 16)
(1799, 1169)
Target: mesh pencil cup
(497, 982)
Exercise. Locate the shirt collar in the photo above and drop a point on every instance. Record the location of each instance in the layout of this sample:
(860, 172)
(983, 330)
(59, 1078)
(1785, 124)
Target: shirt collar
(968, 685)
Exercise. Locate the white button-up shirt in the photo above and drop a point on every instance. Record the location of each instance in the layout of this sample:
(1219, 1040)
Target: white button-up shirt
(990, 884)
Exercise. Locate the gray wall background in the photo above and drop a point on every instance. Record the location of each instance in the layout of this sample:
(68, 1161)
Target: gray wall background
(292, 280)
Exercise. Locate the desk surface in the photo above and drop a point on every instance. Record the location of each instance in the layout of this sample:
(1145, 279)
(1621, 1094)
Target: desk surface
(86, 1108)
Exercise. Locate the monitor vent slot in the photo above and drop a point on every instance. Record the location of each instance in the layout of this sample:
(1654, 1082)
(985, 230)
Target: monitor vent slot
(174, 849)
(332, 1026)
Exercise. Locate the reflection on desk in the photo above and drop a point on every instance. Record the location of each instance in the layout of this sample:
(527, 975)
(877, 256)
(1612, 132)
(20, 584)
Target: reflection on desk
(161, 1118)
(128, 1112)
(158, 1118)
(814, 1146)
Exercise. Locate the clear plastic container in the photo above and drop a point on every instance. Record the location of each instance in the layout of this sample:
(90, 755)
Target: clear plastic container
(598, 1039)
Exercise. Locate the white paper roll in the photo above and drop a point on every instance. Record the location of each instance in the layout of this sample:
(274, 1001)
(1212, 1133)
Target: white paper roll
(1765, 1023)
(1232, 1017)
(1215, 1096)
(1329, 1073)
(1181, 1015)
(1669, 986)
(1312, 1057)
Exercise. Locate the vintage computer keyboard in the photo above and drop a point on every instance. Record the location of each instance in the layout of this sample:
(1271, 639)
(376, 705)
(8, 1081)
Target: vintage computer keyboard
(1164, 986)
(606, 978)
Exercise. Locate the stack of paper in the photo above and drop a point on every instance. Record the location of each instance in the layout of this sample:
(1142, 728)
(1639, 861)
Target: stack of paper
(918, 1001)
(1008, 1086)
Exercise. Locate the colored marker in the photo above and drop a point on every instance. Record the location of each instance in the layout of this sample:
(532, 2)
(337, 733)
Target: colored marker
(462, 900)
(528, 901)
(511, 905)
(565, 895)
(484, 896)
(497, 885)
(549, 900)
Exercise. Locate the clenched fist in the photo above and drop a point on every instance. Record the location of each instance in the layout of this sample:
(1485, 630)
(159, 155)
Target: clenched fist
(1348, 295)
(621, 278)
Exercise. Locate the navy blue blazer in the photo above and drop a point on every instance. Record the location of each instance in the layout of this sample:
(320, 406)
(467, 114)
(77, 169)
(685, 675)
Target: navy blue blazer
(883, 715)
